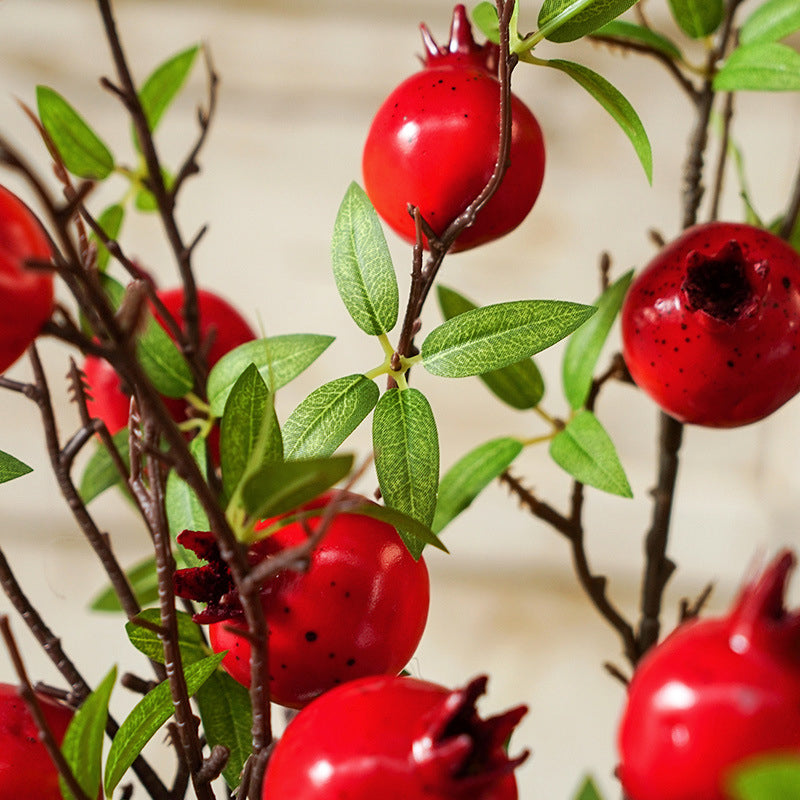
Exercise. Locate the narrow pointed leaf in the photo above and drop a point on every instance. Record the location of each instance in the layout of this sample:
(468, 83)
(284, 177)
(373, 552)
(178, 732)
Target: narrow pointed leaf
(771, 21)
(249, 429)
(519, 385)
(147, 641)
(585, 345)
(100, 472)
(83, 742)
(111, 223)
(283, 486)
(324, 420)
(470, 475)
(616, 104)
(226, 714)
(496, 336)
(184, 509)
(625, 31)
(362, 265)
(83, 152)
(406, 445)
(11, 467)
(149, 714)
(588, 791)
(593, 16)
(164, 84)
(402, 523)
(279, 359)
(760, 67)
(697, 18)
(585, 451)
(767, 778)
(143, 579)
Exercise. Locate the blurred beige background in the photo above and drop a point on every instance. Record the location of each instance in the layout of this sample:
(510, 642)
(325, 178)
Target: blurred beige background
(300, 82)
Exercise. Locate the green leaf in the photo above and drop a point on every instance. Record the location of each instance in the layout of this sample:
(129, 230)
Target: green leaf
(406, 446)
(225, 711)
(470, 475)
(588, 791)
(622, 30)
(279, 359)
(250, 434)
(144, 582)
(585, 345)
(149, 714)
(484, 15)
(110, 220)
(145, 200)
(362, 265)
(769, 778)
(184, 509)
(164, 84)
(495, 336)
(11, 467)
(520, 385)
(585, 451)
(585, 21)
(279, 487)
(770, 22)
(697, 18)
(83, 152)
(83, 742)
(761, 67)
(615, 103)
(324, 420)
(100, 473)
(147, 641)
(413, 528)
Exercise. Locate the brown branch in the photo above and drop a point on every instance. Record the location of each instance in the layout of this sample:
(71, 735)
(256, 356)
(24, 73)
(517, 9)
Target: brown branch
(792, 214)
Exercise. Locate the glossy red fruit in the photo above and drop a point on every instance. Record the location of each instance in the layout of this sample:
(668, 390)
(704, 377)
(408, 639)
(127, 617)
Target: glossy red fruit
(26, 296)
(222, 328)
(712, 695)
(360, 608)
(26, 769)
(434, 141)
(711, 328)
(395, 738)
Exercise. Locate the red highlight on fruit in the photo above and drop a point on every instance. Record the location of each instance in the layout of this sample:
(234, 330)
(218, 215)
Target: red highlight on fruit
(395, 738)
(711, 327)
(715, 694)
(434, 142)
(26, 295)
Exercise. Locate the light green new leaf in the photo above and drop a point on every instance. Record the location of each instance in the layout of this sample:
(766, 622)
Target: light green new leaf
(143, 580)
(11, 467)
(225, 712)
(580, 17)
(520, 385)
(585, 345)
(622, 30)
(164, 84)
(616, 104)
(149, 714)
(406, 445)
(770, 22)
(585, 451)
(495, 336)
(760, 67)
(100, 472)
(470, 475)
(279, 487)
(697, 18)
(147, 641)
(771, 778)
(484, 15)
(588, 791)
(362, 264)
(184, 509)
(110, 220)
(250, 434)
(83, 742)
(279, 359)
(324, 420)
(83, 152)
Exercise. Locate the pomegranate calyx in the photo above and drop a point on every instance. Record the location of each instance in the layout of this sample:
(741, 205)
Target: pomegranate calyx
(461, 46)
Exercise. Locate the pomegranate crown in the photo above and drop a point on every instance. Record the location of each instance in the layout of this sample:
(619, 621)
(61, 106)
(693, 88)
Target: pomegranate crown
(461, 48)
